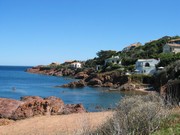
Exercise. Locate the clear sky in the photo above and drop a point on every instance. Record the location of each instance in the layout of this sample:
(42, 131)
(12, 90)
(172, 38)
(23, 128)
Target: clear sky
(34, 32)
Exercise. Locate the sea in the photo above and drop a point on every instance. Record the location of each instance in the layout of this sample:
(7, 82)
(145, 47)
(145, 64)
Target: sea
(16, 83)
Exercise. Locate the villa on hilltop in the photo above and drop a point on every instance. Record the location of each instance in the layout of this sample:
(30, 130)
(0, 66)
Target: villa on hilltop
(132, 46)
(113, 60)
(73, 64)
(172, 46)
(76, 65)
(146, 66)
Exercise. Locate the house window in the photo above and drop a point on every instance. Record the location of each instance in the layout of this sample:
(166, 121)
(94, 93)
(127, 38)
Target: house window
(139, 64)
(147, 64)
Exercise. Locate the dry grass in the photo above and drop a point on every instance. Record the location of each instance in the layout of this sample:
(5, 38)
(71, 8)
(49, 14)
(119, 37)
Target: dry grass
(56, 125)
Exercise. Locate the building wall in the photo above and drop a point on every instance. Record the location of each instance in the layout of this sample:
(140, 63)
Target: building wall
(166, 48)
(146, 67)
(176, 50)
(114, 60)
(76, 65)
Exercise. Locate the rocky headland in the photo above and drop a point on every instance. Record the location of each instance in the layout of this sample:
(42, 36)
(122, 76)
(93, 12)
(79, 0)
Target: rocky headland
(30, 106)
(87, 77)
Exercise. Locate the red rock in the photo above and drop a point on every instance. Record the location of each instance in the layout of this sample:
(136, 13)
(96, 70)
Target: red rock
(81, 75)
(94, 82)
(78, 84)
(55, 105)
(30, 98)
(30, 108)
(8, 107)
(127, 87)
(73, 108)
(108, 84)
(33, 105)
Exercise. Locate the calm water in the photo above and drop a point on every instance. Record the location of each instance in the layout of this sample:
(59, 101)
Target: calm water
(15, 83)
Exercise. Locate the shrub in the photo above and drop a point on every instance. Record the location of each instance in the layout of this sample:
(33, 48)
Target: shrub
(140, 78)
(136, 115)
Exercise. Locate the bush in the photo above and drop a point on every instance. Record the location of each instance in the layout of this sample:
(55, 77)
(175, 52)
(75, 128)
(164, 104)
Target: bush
(140, 78)
(136, 115)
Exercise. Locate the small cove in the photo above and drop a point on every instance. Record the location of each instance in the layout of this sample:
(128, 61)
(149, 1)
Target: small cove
(15, 83)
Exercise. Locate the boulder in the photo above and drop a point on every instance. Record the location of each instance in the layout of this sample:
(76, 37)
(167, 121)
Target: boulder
(68, 72)
(78, 84)
(34, 105)
(30, 98)
(108, 84)
(73, 108)
(31, 107)
(81, 75)
(127, 87)
(8, 107)
(55, 105)
(95, 82)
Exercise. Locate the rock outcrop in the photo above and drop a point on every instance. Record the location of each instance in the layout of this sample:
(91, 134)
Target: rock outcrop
(95, 82)
(88, 77)
(8, 107)
(30, 106)
(127, 87)
(78, 84)
(100, 80)
(171, 91)
(51, 71)
(73, 108)
(81, 75)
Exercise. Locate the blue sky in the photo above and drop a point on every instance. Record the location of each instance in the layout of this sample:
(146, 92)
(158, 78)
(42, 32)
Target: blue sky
(34, 32)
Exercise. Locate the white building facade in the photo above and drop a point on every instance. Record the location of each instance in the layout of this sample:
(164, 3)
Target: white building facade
(146, 66)
(113, 60)
(76, 65)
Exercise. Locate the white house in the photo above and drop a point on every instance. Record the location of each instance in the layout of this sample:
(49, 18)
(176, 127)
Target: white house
(146, 66)
(76, 65)
(172, 47)
(113, 60)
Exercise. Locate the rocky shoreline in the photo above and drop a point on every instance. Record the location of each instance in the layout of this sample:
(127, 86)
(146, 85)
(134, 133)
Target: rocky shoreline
(30, 106)
(114, 81)
(88, 77)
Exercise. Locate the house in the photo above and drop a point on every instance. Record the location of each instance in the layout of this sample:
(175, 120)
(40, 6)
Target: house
(132, 46)
(172, 46)
(76, 65)
(146, 66)
(54, 64)
(113, 60)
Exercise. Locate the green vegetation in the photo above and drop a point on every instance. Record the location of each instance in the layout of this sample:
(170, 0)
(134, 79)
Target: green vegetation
(141, 78)
(102, 55)
(170, 72)
(153, 49)
(171, 126)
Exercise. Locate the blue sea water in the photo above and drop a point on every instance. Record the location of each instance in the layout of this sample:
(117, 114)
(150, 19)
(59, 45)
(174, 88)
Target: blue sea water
(15, 83)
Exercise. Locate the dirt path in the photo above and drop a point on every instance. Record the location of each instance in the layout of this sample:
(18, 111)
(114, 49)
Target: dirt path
(56, 125)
